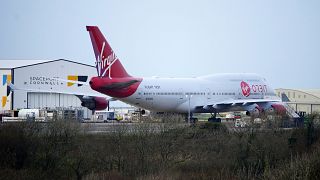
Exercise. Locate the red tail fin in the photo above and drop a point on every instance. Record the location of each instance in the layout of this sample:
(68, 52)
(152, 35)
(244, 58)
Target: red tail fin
(107, 63)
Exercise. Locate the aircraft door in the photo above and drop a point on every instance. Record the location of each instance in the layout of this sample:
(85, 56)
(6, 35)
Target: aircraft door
(208, 95)
(139, 97)
(181, 96)
(239, 94)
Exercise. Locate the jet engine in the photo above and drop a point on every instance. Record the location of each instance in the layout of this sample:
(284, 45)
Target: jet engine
(254, 111)
(276, 108)
(94, 103)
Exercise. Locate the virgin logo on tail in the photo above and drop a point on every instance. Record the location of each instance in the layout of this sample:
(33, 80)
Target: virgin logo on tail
(245, 88)
(104, 64)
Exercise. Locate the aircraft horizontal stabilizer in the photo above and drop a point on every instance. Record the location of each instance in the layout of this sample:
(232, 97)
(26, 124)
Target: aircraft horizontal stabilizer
(119, 85)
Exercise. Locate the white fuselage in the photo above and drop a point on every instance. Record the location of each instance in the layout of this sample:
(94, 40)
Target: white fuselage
(182, 94)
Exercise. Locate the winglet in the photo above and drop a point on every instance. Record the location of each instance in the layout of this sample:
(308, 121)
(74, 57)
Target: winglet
(284, 98)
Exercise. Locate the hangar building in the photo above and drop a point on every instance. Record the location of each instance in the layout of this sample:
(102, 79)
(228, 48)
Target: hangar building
(42, 75)
(302, 100)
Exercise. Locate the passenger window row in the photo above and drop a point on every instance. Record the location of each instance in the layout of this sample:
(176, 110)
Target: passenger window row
(188, 93)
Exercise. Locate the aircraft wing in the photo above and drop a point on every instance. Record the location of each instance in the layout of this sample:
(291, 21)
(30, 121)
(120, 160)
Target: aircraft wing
(236, 102)
(12, 87)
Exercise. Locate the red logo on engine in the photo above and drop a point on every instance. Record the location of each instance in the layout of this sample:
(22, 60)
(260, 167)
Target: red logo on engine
(245, 88)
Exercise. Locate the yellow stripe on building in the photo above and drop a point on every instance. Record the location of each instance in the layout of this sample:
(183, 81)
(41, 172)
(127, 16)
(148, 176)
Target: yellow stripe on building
(4, 101)
(8, 79)
(72, 78)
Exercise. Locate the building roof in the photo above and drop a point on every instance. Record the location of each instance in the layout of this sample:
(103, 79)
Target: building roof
(315, 92)
(309, 95)
(11, 64)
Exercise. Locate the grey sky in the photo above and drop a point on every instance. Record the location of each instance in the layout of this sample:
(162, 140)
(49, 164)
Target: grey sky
(279, 39)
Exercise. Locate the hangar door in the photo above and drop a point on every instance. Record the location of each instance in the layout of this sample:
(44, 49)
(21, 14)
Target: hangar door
(51, 100)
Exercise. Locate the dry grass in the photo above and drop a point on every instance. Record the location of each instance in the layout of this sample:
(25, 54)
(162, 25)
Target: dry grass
(61, 150)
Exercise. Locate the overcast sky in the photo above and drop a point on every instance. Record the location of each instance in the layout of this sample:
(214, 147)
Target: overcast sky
(278, 39)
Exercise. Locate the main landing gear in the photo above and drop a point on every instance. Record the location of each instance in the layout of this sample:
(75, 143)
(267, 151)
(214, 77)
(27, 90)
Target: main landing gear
(193, 120)
(214, 118)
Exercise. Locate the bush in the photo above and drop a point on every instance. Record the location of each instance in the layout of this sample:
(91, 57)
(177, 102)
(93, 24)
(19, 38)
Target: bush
(62, 150)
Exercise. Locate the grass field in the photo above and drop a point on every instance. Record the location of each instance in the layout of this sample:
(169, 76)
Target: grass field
(63, 150)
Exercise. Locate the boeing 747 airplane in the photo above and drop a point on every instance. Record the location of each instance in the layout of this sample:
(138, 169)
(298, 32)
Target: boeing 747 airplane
(205, 94)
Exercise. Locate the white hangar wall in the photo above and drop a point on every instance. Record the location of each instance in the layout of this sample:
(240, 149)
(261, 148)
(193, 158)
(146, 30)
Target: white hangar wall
(302, 100)
(41, 100)
(43, 78)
